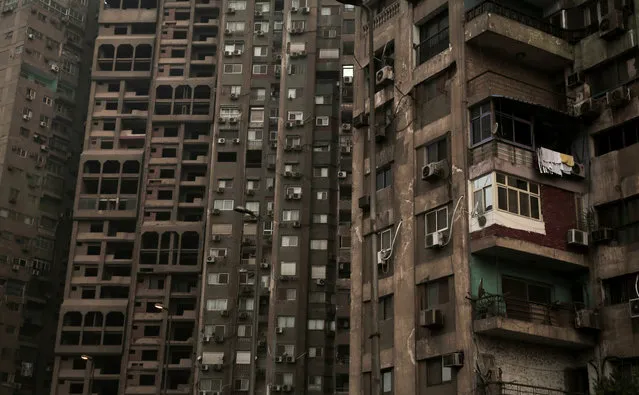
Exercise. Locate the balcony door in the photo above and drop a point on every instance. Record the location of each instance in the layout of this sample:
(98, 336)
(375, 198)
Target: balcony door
(526, 300)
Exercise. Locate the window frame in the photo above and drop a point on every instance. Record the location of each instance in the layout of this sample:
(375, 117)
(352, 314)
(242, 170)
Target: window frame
(436, 212)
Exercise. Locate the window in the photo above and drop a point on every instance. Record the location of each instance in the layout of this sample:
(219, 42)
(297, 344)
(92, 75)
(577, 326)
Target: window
(262, 7)
(290, 215)
(233, 68)
(225, 183)
(386, 308)
(317, 297)
(329, 53)
(384, 178)
(436, 151)
(480, 123)
(289, 241)
(523, 296)
(244, 330)
(258, 94)
(513, 126)
(385, 239)
(295, 116)
(436, 220)
(224, 205)
(285, 322)
(216, 304)
(257, 115)
(345, 242)
(297, 47)
(237, 4)
(261, 27)
(243, 357)
(436, 373)
(321, 121)
(235, 26)
(348, 26)
(260, 69)
(316, 325)
(319, 244)
(246, 304)
(433, 294)
(260, 51)
(320, 172)
(298, 25)
(387, 381)
(315, 352)
(433, 37)
(320, 218)
(518, 196)
(47, 100)
(617, 138)
(291, 93)
(482, 194)
(322, 195)
(218, 278)
(288, 268)
(315, 383)
(318, 272)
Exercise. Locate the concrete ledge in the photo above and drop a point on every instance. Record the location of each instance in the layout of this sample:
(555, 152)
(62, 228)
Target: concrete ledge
(523, 251)
(531, 332)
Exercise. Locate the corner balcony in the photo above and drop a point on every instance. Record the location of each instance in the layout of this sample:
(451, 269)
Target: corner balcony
(507, 317)
(495, 27)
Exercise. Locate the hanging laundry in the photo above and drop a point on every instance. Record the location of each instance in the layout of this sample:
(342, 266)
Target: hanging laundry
(549, 161)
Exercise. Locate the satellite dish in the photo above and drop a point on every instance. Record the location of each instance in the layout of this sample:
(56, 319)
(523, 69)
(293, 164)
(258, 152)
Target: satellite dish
(495, 128)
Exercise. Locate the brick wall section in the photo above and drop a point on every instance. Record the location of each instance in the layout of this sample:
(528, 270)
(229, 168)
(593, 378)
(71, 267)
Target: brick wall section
(558, 211)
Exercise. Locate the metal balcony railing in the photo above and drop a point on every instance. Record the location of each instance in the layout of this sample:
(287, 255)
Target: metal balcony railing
(523, 389)
(553, 314)
(432, 46)
(570, 35)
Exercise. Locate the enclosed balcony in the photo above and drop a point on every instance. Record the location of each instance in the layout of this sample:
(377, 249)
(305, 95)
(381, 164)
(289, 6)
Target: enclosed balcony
(520, 30)
(526, 304)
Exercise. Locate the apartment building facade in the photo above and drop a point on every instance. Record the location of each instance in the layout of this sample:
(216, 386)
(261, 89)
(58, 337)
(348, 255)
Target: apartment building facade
(43, 48)
(170, 290)
(277, 273)
(504, 190)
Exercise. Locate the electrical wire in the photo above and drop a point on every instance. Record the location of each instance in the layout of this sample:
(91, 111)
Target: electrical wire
(452, 221)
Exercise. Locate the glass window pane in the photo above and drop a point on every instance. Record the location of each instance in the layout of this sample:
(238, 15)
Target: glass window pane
(513, 201)
(502, 198)
(476, 130)
(447, 374)
(506, 128)
(485, 127)
(478, 200)
(534, 207)
(488, 198)
(523, 133)
(442, 219)
(534, 188)
(524, 208)
(501, 178)
(431, 222)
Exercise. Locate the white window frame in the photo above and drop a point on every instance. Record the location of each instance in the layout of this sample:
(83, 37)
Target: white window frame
(321, 195)
(290, 215)
(320, 172)
(289, 241)
(214, 278)
(316, 325)
(319, 244)
(286, 321)
(260, 69)
(295, 115)
(288, 268)
(318, 272)
(255, 113)
(436, 215)
(320, 218)
(242, 357)
(260, 51)
(322, 120)
(217, 304)
(224, 204)
(232, 68)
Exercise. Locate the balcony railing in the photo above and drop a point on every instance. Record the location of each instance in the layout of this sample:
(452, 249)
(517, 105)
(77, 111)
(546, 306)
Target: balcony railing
(432, 46)
(500, 150)
(384, 16)
(523, 389)
(570, 35)
(553, 314)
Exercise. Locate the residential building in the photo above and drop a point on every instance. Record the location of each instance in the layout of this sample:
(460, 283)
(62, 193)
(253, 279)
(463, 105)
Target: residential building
(173, 291)
(45, 48)
(504, 219)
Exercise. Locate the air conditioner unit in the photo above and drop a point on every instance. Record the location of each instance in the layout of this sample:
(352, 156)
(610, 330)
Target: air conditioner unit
(346, 149)
(237, 52)
(384, 75)
(228, 53)
(279, 359)
(258, 14)
(346, 127)
(588, 108)
(217, 238)
(577, 237)
(347, 80)
(587, 319)
(360, 121)
(265, 265)
(287, 388)
(250, 192)
(221, 120)
(233, 120)
(259, 33)
(435, 170)
(288, 174)
(236, 141)
(278, 57)
(299, 122)
(228, 31)
(290, 124)
(220, 190)
(234, 96)
(320, 282)
(218, 367)
(43, 124)
(15, 268)
(633, 304)
(30, 36)
(364, 202)
(435, 239)
(290, 359)
(26, 117)
(297, 174)
(279, 330)
(55, 68)
(221, 141)
(432, 318)
(612, 24)
(230, 10)
(224, 313)
(297, 224)
(306, 10)
(206, 339)
(579, 170)
(30, 96)
(204, 368)
(277, 388)
(602, 235)
(341, 174)
(575, 79)
(453, 360)
(618, 98)
(293, 10)
(216, 211)
(210, 259)
(44, 148)
(219, 339)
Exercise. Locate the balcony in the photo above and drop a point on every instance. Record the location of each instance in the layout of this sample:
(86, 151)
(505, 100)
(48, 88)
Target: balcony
(384, 16)
(522, 389)
(499, 28)
(516, 319)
